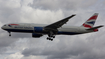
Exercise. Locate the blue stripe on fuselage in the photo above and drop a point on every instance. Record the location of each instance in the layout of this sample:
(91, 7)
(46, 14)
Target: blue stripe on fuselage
(68, 33)
(31, 31)
(19, 30)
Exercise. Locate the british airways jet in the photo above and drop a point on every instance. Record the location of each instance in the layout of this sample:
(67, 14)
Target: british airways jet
(53, 29)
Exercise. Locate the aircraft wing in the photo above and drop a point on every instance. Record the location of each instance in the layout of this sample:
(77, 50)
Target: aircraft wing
(58, 23)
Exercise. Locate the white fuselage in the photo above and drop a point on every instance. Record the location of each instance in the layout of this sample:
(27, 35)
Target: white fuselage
(38, 28)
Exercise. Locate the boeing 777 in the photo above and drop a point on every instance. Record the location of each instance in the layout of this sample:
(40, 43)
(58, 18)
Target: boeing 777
(53, 29)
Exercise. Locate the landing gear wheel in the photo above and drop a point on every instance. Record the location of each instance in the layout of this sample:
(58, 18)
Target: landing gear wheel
(53, 36)
(48, 38)
(9, 34)
(51, 39)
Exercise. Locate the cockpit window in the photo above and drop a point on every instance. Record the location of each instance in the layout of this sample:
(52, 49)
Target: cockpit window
(9, 25)
(4, 25)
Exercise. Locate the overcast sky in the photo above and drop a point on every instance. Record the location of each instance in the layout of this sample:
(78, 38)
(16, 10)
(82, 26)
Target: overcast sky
(23, 46)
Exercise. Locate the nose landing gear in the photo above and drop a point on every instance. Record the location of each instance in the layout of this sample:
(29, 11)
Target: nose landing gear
(9, 33)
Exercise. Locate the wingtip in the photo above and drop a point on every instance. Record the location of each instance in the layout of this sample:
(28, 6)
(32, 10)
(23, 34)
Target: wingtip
(101, 25)
(74, 14)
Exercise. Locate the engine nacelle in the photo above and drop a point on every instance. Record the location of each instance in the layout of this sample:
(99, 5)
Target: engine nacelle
(36, 35)
(38, 29)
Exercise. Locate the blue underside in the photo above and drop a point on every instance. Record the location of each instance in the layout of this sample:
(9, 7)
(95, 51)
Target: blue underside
(31, 31)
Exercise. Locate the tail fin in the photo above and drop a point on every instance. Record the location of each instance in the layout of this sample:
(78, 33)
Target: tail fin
(91, 21)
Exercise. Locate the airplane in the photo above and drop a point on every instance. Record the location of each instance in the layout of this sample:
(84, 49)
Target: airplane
(56, 28)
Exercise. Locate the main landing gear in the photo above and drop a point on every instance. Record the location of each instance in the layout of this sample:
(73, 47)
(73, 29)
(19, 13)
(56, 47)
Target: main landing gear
(50, 36)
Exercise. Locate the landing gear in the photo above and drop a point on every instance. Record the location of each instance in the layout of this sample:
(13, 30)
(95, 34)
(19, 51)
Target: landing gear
(9, 33)
(53, 36)
(50, 36)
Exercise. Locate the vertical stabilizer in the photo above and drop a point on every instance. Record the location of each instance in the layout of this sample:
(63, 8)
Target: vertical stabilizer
(91, 21)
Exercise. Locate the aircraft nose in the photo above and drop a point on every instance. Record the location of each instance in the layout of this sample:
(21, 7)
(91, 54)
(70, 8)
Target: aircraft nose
(2, 27)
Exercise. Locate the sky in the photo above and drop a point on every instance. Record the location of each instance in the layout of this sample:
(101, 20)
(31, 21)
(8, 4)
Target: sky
(23, 46)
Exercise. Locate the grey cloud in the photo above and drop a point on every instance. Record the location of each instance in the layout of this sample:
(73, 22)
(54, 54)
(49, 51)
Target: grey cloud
(5, 41)
(8, 15)
(60, 50)
(68, 48)
(52, 4)
(62, 4)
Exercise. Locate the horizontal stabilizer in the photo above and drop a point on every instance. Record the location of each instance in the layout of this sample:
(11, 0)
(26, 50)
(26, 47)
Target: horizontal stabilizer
(95, 27)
